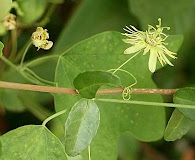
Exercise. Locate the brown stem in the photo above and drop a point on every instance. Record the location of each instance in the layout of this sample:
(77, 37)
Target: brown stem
(50, 89)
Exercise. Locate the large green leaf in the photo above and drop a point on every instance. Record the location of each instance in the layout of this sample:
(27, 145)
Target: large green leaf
(103, 52)
(31, 142)
(180, 19)
(4, 8)
(186, 96)
(81, 126)
(178, 126)
(89, 82)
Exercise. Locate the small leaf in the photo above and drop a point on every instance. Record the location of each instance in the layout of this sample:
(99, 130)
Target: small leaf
(4, 8)
(89, 82)
(1, 48)
(34, 12)
(186, 96)
(178, 126)
(81, 126)
(31, 142)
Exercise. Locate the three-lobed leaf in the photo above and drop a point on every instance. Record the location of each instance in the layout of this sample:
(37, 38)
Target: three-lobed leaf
(87, 83)
(81, 126)
(31, 142)
(177, 126)
(105, 51)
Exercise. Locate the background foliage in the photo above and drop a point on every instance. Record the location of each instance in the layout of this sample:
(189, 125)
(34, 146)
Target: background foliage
(86, 36)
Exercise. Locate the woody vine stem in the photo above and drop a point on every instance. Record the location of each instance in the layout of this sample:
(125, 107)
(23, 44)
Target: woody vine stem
(38, 88)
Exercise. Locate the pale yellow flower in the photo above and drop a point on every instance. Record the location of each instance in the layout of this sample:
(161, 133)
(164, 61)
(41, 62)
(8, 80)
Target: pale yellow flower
(39, 39)
(151, 41)
(9, 22)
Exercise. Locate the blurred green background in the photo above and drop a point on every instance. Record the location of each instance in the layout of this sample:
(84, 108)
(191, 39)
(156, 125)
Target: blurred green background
(71, 21)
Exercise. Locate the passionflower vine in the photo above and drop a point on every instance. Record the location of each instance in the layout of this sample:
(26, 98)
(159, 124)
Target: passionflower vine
(39, 39)
(152, 41)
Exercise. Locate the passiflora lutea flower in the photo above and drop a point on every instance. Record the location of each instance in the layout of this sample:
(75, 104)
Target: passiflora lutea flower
(152, 41)
(39, 39)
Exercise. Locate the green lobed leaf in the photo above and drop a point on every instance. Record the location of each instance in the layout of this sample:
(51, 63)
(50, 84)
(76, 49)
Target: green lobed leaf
(186, 96)
(178, 126)
(31, 142)
(4, 8)
(32, 10)
(105, 51)
(89, 82)
(81, 126)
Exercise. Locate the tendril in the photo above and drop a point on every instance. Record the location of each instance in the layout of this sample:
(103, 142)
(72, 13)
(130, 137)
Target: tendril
(126, 94)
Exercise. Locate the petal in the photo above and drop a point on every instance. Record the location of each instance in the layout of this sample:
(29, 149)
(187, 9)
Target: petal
(130, 41)
(167, 52)
(160, 58)
(135, 48)
(146, 50)
(152, 60)
(47, 45)
(37, 42)
(166, 59)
